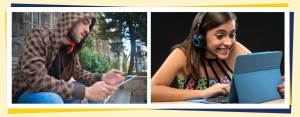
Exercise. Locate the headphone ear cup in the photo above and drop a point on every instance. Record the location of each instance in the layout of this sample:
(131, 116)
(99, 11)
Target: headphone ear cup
(199, 41)
(196, 41)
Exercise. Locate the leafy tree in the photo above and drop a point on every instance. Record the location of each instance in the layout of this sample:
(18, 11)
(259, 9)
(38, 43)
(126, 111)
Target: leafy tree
(109, 31)
(89, 43)
(129, 25)
(91, 60)
(125, 58)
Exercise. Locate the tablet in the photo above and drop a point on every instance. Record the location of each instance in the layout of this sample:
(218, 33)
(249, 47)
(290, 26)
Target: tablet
(255, 79)
(127, 78)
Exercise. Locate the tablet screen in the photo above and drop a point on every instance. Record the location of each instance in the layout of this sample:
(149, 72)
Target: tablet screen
(127, 78)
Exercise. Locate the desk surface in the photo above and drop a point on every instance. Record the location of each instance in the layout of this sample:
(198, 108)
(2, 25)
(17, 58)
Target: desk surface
(279, 101)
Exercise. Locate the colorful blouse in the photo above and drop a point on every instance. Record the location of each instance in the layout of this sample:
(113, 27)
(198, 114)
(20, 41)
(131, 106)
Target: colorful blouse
(191, 83)
(202, 83)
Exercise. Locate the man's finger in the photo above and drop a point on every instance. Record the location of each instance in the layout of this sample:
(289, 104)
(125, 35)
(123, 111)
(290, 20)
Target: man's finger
(111, 88)
(122, 78)
(116, 71)
(108, 90)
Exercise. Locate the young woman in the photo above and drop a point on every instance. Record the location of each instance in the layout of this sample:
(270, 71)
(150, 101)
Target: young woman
(203, 63)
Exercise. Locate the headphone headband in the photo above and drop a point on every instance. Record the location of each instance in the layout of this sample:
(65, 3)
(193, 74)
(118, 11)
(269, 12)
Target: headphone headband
(199, 25)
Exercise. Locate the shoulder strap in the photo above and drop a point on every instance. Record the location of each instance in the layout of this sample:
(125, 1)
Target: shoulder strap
(223, 70)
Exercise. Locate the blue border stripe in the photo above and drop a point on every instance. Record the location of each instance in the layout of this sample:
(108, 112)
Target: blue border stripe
(51, 5)
(291, 49)
(284, 111)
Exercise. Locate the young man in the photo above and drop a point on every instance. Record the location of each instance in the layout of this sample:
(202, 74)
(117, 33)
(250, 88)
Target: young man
(50, 58)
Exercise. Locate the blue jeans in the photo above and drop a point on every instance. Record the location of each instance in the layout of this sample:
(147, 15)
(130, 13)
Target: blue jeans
(47, 98)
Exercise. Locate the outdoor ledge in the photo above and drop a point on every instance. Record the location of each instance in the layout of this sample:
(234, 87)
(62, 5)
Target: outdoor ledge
(133, 92)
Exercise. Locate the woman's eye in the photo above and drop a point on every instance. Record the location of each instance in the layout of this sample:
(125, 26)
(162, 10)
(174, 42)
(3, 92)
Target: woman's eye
(232, 35)
(219, 36)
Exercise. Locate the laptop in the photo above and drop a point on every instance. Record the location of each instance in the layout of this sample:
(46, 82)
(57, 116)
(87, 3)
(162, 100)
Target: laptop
(255, 79)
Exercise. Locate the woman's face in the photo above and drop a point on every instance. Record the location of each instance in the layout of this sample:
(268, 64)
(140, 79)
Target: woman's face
(219, 40)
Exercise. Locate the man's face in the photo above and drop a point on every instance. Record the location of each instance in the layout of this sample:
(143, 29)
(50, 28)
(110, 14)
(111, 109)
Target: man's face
(80, 30)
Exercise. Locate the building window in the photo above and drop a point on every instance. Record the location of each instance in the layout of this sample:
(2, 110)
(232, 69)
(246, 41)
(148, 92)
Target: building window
(36, 19)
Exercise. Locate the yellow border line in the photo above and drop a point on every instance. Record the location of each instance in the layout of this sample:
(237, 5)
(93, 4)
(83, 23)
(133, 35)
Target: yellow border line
(252, 5)
(232, 5)
(5, 21)
(229, 5)
(50, 110)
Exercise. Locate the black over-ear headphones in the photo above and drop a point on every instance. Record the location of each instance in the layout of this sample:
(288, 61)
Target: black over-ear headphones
(199, 40)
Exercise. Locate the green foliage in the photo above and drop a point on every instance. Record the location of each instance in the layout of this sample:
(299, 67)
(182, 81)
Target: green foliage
(115, 64)
(89, 43)
(91, 61)
(115, 26)
(121, 87)
(124, 65)
(136, 73)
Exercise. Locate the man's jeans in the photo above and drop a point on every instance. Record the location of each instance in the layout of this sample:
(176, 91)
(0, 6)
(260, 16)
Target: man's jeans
(47, 98)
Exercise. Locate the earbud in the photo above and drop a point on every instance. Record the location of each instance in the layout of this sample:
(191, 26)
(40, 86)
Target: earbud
(72, 44)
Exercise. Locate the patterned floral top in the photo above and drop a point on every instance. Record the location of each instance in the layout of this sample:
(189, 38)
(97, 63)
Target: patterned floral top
(191, 83)
(201, 83)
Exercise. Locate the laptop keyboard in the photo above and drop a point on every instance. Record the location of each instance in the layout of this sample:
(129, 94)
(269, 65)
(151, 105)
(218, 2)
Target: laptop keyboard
(220, 99)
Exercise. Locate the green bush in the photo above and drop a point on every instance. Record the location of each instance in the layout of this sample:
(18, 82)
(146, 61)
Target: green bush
(89, 43)
(136, 73)
(91, 61)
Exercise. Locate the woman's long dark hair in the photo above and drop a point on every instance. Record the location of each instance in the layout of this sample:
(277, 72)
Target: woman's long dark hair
(195, 56)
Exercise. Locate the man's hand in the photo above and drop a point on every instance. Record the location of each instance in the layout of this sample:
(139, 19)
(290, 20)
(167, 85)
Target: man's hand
(99, 91)
(113, 77)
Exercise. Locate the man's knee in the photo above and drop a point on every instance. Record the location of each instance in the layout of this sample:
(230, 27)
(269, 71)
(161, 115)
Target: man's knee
(41, 97)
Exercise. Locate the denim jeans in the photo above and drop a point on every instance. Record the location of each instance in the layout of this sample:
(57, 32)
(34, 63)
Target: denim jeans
(48, 98)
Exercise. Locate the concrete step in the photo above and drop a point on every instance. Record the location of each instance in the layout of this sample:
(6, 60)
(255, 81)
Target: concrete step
(137, 83)
(120, 97)
(138, 97)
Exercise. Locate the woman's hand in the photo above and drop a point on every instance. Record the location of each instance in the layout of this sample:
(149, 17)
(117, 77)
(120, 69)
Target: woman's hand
(280, 88)
(217, 89)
